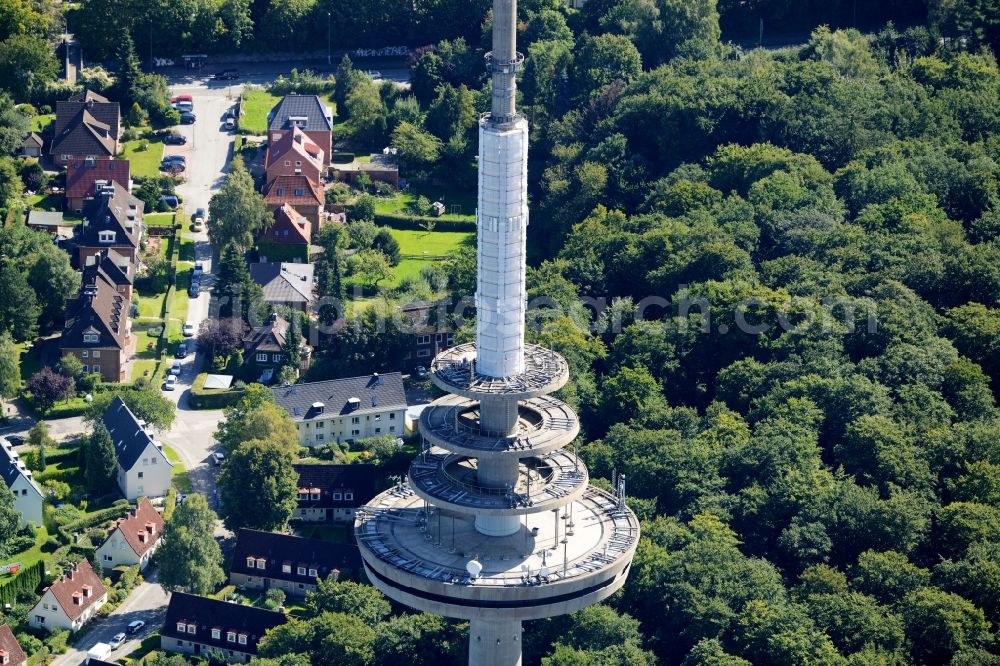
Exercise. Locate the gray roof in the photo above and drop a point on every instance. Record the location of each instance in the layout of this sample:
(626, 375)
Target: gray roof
(11, 467)
(308, 107)
(284, 283)
(377, 393)
(128, 433)
(46, 218)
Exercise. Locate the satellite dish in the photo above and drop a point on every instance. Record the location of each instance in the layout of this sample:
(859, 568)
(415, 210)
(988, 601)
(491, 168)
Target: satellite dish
(474, 567)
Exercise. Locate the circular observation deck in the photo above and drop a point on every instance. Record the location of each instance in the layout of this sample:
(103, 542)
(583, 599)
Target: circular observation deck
(417, 555)
(544, 424)
(545, 371)
(544, 482)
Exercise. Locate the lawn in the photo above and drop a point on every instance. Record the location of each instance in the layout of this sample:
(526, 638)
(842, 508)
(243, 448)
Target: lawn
(181, 479)
(45, 202)
(419, 249)
(30, 359)
(145, 163)
(159, 219)
(256, 105)
(151, 304)
(398, 204)
(41, 121)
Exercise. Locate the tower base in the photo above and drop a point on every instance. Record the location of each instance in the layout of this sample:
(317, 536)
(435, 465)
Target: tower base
(494, 643)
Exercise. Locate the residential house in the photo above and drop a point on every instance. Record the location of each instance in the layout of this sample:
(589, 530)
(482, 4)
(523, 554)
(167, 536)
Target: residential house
(342, 410)
(200, 626)
(84, 177)
(134, 539)
(71, 601)
(32, 145)
(264, 350)
(285, 284)
(306, 112)
(287, 239)
(115, 267)
(384, 168)
(17, 477)
(98, 330)
(11, 653)
(332, 493)
(112, 219)
(142, 469)
(264, 560)
(428, 334)
(299, 192)
(87, 126)
(294, 154)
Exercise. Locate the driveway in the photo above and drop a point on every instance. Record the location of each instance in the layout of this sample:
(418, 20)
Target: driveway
(148, 602)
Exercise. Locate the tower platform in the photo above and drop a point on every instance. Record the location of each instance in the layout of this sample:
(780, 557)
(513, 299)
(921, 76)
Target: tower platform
(418, 554)
(454, 371)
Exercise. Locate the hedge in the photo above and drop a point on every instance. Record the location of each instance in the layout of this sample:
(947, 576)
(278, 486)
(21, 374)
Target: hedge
(27, 580)
(402, 221)
(118, 510)
(199, 398)
(341, 157)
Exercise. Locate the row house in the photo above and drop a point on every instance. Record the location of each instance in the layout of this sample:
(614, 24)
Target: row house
(264, 560)
(28, 498)
(142, 468)
(134, 539)
(201, 627)
(306, 113)
(112, 219)
(305, 196)
(285, 284)
(287, 239)
(330, 493)
(71, 601)
(85, 177)
(98, 329)
(342, 410)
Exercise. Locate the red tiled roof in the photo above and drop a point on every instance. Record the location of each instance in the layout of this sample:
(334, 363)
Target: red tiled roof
(289, 227)
(144, 519)
(294, 190)
(10, 645)
(81, 174)
(298, 144)
(71, 584)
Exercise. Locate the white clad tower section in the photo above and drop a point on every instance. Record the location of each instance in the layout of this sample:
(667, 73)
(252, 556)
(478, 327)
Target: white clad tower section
(502, 227)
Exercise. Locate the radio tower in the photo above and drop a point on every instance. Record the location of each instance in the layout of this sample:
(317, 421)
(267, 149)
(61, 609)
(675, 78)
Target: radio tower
(496, 522)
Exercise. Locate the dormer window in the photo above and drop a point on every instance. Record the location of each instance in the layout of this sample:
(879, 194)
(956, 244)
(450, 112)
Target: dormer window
(261, 562)
(302, 571)
(313, 573)
(243, 639)
(4, 657)
(251, 562)
(91, 337)
(281, 191)
(314, 496)
(182, 627)
(299, 192)
(216, 633)
(87, 590)
(77, 599)
(231, 636)
(192, 629)
(286, 568)
(106, 236)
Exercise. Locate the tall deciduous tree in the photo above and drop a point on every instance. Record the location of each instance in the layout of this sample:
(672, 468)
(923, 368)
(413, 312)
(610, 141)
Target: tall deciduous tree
(190, 558)
(362, 601)
(147, 404)
(47, 387)
(10, 369)
(8, 518)
(258, 486)
(18, 305)
(265, 422)
(54, 280)
(99, 457)
(237, 211)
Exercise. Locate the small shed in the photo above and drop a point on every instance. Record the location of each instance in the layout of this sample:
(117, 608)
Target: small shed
(221, 382)
(437, 209)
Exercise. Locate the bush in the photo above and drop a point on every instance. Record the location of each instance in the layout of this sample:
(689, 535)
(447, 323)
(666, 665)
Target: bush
(57, 641)
(45, 109)
(341, 157)
(305, 82)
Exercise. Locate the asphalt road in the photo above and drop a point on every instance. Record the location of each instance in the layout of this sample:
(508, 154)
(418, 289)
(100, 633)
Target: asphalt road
(148, 602)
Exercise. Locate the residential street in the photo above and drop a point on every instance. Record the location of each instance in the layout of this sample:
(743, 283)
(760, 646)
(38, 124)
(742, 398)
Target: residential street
(148, 602)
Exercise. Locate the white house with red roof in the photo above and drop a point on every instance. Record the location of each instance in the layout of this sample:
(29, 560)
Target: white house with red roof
(134, 539)
(71, 601)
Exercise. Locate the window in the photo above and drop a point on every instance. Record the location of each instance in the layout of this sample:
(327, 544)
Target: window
(261, 357)
(314, 496)
(140, 474)
(191, 629)
(97, 353)
(153, 461)
(216, 634)
(299, 192)
(348, 496)
(378, 430)
(251, 562)
(392, 416)
(298, 162)
(276, 358)
(261, 562)
(319, 438)
(356, 419)
(301, 571)
(378, 417)
(231, 636)
(313, 573)
(281, 191)
(392, 428)
(181, 627)
(288, 163)
(439, 337)
(106, 236)
(286, 568)
(423, 339)
(355, 432)
(319, 425)
(243, 639)
(65, 158)
(84, 371)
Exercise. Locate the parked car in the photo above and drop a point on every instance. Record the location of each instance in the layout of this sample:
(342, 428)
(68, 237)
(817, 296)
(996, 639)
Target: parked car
(175, 368)
(218, 459)
(135, 626)
(194, 290)
(173, 168)
(175, 139)
(171, 200)
(227, 75)
(174, 158)
(230, 121)
(188, 118)
(189, 329)
(182, 350)
(170, 384)
(16, 440)
(184, 106)
(117, 640)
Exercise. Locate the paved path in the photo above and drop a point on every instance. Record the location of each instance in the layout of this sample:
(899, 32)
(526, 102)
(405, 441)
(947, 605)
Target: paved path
(148, 602)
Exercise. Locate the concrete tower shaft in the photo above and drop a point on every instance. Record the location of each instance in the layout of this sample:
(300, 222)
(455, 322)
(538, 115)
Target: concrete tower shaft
(504, 61)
